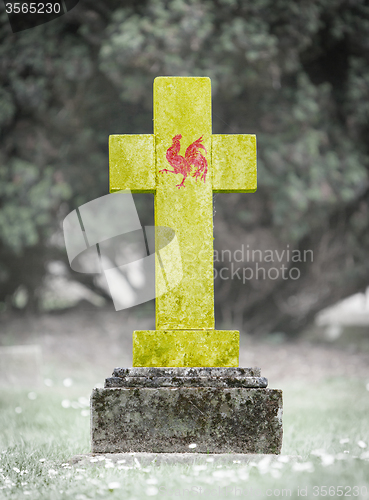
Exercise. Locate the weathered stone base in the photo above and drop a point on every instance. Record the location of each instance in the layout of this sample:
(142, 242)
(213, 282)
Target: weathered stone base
(218, 418)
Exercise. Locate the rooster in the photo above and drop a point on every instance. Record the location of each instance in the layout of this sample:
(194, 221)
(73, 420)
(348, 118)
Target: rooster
(192, 158)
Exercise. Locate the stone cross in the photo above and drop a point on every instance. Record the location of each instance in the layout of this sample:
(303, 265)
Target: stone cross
(183, 148)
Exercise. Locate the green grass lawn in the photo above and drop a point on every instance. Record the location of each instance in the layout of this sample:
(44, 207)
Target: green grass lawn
(326, 424)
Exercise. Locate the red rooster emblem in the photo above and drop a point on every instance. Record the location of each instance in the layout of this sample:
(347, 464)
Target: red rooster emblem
(192, 158)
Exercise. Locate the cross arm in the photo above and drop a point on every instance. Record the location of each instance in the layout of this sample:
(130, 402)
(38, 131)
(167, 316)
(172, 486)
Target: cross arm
(132, 163)
(234, 163)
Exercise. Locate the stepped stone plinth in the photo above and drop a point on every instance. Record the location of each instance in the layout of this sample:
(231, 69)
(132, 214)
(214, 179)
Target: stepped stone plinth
(158, 410)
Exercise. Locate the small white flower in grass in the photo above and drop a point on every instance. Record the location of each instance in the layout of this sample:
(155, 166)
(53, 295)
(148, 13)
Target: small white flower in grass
(152, 480)
(65, 465)
(24, 472)
(113, 486)
(121, 462)
(236, 461)
(362, 444)
(65, 403)
(303, 467)
(346, 451)
(264, 464)
(52, 472)
(327, 460)
(25, 492)
(101, 459)
(225, 473)
(210, 459)
(243, 474)
(109, 465)
(85, 413)
(284, 459)
(67, 382)
(152, 491)
(192, 446)
(32, 396)
(18, 409)
(48, 382)
(94, 460)
(16, 470)
(42, 460)
(199, 467)
(24, 484)
(344, 440)
(276, 474)
(80, 470)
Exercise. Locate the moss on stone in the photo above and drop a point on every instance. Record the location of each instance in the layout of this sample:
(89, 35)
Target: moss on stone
(179, 348)
(166, 420)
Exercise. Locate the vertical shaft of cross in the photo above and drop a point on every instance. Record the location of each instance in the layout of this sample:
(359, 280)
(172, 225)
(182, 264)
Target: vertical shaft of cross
(182, 107)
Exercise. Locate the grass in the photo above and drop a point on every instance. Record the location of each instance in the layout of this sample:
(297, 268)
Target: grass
(38, 435)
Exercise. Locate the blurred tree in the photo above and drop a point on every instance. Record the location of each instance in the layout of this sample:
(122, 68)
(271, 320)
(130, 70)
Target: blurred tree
(56, 111)
(294, 73)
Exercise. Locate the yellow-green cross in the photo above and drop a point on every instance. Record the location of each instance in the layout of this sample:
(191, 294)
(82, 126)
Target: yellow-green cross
(185, 334)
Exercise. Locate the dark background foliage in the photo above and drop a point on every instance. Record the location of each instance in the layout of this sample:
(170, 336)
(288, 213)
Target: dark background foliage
(296, 73)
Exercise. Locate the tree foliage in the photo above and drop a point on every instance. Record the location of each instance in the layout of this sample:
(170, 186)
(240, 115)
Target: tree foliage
(294, 73)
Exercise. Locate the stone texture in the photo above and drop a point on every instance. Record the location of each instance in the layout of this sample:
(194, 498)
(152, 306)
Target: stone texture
(185, 348)
(186, 377)
(157, 410)
(166, 412)
(186, 382)
(234, 163)
(132, 163)
(157, 420)
(182, 105)
(186, 372)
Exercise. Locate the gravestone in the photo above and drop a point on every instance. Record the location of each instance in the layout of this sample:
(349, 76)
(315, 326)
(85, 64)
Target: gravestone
(185, 386)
